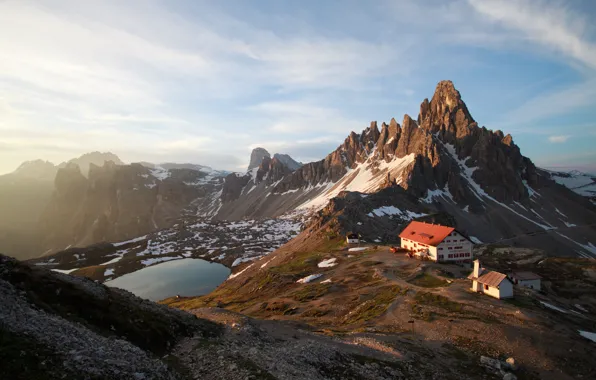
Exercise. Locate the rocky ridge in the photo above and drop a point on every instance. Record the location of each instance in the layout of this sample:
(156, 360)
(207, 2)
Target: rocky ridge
(24, 195)
(446, 161)
(117, 202)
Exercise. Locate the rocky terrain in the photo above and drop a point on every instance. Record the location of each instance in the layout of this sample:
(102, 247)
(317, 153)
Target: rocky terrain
(421, 311)
(448, 164)
(228, 243)
(441, 162)
(55, 326)
(581, 183)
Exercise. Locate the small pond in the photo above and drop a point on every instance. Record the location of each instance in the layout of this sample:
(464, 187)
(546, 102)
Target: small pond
(186, 277)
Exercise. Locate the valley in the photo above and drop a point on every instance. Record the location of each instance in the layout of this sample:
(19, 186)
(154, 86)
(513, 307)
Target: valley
(255, 278)
(405, 307)
(228, 243)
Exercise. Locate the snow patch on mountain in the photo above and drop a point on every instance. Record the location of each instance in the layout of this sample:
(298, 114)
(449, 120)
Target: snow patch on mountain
(392, 210)
(582, 183)
(366, 177)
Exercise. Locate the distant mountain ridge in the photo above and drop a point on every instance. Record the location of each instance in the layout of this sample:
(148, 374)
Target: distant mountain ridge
(581, 183)
(96, 197)
(442, 162)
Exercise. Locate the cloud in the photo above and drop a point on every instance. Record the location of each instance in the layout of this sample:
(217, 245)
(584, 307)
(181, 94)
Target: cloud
(301, 117)
(152, 80)
(556, 102)
(556, 27)
(558, 139)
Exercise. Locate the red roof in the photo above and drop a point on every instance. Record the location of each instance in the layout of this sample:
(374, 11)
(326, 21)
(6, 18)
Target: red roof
(425, 233)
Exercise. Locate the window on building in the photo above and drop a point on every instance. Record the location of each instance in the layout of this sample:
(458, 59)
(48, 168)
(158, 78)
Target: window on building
(485, 287)
(449, 247)
(440, 248)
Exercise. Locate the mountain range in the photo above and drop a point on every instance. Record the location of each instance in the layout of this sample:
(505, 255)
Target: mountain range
(441, 162)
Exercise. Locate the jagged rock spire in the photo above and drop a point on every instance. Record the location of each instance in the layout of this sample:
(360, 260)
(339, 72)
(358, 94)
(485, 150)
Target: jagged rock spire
(257, 156)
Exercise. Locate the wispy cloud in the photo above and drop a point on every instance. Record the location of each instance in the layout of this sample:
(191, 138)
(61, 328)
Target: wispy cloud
(554, 26)
(558, 139)
(558, 30)
(152, 80)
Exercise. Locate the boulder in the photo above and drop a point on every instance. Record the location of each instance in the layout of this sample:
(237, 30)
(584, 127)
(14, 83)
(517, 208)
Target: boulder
(490, 362)
(511, 364)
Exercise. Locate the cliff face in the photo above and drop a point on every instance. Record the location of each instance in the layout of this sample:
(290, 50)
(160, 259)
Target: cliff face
(256, 157)
(445, 161)
(118, 202)
(447, 145)
(444, 150)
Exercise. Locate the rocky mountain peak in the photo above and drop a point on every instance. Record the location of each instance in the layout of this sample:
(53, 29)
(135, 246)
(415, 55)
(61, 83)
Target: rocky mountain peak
(36, 169)
(257, 156)
(446, 93)
(96, 158)
(287, 161)
(69, 179)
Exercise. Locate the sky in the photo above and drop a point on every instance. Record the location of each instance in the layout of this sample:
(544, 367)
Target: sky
(207, 81)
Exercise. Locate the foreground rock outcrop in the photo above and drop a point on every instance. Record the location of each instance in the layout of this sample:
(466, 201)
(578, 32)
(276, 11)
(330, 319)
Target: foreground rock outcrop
(55, 326)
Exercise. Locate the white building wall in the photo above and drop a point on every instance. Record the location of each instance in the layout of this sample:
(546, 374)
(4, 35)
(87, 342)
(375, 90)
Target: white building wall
(432, 252)
(419, 248)
(455, 245)
(533, 284)
(476, 286)
(505, 290)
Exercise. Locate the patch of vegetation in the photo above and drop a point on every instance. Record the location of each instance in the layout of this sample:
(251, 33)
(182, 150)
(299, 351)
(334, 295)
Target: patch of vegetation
(280, 308)
(476, 346)
(299, 264)
(310, 292)
(333, 243)
(438, 300)
(375, 307)
(315, 313)
(521, 301)
(445, 273)
(419, 312)
(426, 280)
(366, 278)
(490, 249)
(371, 263)
(213, 299)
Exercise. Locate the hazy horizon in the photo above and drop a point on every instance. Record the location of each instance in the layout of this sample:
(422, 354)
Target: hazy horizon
(206, 82)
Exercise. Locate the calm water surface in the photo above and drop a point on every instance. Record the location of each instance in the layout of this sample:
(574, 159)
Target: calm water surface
(186, 277)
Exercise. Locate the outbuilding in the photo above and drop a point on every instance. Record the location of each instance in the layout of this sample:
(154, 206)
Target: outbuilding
(526, 279)
(352, 238)
(494, 284)
(436, 242)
